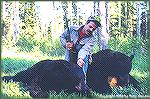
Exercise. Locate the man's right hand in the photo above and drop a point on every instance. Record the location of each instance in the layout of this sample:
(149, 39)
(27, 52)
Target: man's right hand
(69, 45)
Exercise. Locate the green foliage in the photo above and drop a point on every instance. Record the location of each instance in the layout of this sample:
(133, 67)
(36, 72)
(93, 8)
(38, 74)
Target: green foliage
(44, 46)
(126, 91)
(51, 48)
(57, 50)
(128, 45)
(122, 18)
(14, 65)
(27, 14)
(12, 89)
(25, 44)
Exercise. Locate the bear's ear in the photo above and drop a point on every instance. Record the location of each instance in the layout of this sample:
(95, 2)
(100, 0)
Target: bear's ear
(131, 57)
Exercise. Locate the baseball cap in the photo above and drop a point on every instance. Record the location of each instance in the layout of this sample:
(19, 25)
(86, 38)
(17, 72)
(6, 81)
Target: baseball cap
(95, 19)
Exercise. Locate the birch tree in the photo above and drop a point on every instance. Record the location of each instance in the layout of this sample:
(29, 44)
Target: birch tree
(102, 11)
(148, 19)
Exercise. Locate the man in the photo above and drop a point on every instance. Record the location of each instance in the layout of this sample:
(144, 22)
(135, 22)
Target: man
(82, 42)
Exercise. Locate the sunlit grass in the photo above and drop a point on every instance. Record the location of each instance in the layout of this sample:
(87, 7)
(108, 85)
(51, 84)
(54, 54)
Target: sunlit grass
(12, 89)
(35, 55)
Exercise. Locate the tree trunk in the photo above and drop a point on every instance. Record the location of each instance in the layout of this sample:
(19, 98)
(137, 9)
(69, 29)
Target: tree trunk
(138, 20)
(102, 31)
(98, 31)
(104, 28)
(16, 20)
(148, 19)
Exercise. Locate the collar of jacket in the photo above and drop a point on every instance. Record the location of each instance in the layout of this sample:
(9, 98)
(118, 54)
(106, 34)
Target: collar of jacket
(78, 28)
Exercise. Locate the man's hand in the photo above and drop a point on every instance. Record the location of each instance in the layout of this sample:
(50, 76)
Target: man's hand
(69, 45)
(80, 62)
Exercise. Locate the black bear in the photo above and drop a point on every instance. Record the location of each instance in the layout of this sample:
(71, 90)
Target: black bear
(108, 69)
(50, 75)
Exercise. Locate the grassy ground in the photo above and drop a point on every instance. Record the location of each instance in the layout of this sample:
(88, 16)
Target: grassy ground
(15, 62)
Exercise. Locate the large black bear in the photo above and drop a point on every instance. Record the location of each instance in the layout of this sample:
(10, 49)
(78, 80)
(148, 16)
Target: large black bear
(50, 75)
(109, 69)
(59, 75)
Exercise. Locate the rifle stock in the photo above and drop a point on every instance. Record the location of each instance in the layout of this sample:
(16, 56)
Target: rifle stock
(68, 32)
(68, 39)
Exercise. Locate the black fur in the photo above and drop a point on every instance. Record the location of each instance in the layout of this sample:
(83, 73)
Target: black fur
(109, 63)
(58, 75)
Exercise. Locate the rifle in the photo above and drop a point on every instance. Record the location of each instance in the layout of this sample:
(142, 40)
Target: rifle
(68, 31)
(68, 39)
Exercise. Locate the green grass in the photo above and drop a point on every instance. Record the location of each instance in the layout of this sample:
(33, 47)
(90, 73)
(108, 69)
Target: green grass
(13, 64)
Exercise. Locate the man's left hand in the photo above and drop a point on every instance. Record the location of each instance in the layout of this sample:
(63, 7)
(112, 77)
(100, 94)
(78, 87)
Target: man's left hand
(80, 62)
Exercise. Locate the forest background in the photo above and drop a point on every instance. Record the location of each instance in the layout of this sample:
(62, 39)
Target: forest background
(30, 32)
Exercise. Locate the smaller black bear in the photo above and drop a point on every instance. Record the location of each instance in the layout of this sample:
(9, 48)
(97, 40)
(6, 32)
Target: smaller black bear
(48, 75)
(108, 69)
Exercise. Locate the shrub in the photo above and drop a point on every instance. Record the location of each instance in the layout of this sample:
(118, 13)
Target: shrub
(26, 44)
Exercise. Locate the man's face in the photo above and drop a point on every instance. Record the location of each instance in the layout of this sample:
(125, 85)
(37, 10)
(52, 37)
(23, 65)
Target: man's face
(89, 28)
